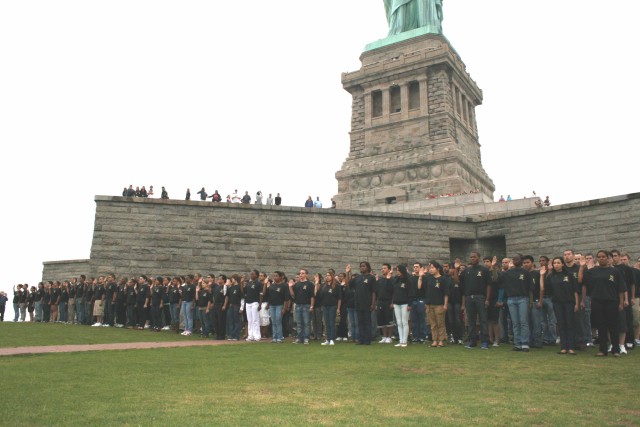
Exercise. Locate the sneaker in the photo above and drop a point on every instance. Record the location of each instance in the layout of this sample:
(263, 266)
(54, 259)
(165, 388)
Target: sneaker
(460, 342)
(495, 344)
(306, 341)
(590, 344)
(398, 345)
(297, 342)
(97, 324)
(382, 341)
(332, 343)
(470, 345)
(637, 342)
(558, 340)
(388, 340)
(609, 349)
(623, 350)
(325, 343)
(629, 345)
(485, 346)
(403, 344)
(106, 326)
(166, 328)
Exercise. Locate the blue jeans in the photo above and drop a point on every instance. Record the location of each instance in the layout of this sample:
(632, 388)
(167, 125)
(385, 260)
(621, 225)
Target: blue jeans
(548, 322)
(205, 324)
(62, 311)
(108, 311)
(38, 311)
(418, 318)
(329, 312)
(519, 311)
(275, 312)
(303, 318)
(175, 313)
(80, 311)
(353, 323)
(233, 321)
(535, 326)
(16, 310)
(188, 316)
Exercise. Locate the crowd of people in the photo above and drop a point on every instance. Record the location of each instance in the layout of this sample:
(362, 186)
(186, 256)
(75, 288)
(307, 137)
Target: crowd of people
(234, 197)
(571, 300)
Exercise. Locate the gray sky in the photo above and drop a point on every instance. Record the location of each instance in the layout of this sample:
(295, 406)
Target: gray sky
(95, 96)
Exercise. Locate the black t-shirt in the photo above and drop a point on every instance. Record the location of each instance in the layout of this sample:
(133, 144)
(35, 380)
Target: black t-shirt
(277, 294)
(16, 296)
(401, 291)
(455, 293)
(328, 296)
(384, 289)
(157, 294)
(121, 294)
(55, 295)
(39, 294)
(88, 293)
(143, 293)
(64, 296)
(72, 291)
(364, 286)
(80, 290)
(436, 288)
(174, 294)
(627, 275)
(348, 297)
(204, 297)
(99, 292)
(219, 293)
(252, 291)
(131, 295)
(112, 288)
(278, 200)
(22, 297)
(475, 280)
(188, 292)
(46, 298)
(235, 294)
(303, 292)
(604, 283)
(516, 282)
(561, 286)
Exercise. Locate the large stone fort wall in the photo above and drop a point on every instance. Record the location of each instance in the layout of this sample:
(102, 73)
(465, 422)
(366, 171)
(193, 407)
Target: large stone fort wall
(169, 237)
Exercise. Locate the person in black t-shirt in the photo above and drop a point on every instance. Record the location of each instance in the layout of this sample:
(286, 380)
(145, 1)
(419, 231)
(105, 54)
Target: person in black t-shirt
(365, 299)
(38, 302)
(131, 292)
(330, 296)
(157, 302)
(475, 281)
(3, 304)
(55, 300)
(437, 299)
(303, 294)
(384, 292)
(625, 326)
(31, 302)
(277, 296)
(562, 287)
(605, 285)
(46, 302)
(236, 299)
(278, 199)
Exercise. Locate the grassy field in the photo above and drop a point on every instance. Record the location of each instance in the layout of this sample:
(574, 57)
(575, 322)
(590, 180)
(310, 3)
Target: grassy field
(30, 334)
(285, 384)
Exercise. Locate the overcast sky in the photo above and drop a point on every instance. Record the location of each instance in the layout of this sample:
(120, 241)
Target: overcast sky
(95, 96)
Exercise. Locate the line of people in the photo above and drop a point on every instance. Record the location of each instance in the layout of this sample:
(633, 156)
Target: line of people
(476, 303)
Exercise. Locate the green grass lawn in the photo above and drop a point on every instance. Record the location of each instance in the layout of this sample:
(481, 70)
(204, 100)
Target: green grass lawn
(285, 384)
(30, 334)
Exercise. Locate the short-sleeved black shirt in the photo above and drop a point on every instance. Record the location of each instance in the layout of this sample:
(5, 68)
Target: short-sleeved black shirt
(303, 292)
(475, 280)
(604, 283)
(561, 286)
(436, 288)
(235, 294)
(252, 291)
(364, 286)
(328, 296)
(277, 294)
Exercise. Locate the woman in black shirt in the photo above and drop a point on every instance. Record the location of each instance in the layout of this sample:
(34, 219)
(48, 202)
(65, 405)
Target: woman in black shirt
(330, 296)
(400, 301)
(561, 285)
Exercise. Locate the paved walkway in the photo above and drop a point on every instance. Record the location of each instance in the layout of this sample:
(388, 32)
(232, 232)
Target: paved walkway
(113, 346)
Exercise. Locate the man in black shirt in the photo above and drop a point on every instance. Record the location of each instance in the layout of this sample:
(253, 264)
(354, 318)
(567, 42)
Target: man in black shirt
(109, 300)
(582, 319)
(364, 286)
(253, 302)
(220, 304)
(80, 296)
(303, 294)
(278, 200)
(475, 281)
(626, 317)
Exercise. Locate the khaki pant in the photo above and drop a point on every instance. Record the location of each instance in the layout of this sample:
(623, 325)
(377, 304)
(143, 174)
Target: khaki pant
(436, 315)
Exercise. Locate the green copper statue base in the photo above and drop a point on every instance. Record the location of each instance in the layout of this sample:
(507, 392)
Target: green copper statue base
(396, 38)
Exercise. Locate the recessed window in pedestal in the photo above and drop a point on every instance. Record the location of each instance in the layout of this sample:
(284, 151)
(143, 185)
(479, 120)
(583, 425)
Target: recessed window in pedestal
(376, 103)
(395, 100)
(414, 95)
(390, 200)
